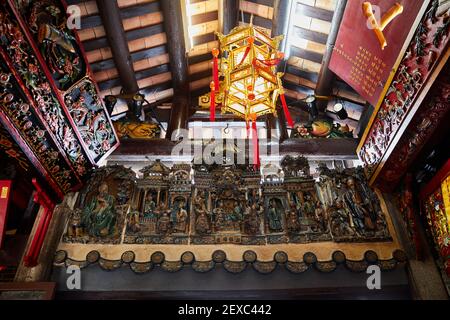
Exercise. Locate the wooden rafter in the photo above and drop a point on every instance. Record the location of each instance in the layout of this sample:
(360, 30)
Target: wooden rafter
(145, 34)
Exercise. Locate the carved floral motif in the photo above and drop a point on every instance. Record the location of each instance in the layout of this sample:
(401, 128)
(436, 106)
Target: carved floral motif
(421, 56)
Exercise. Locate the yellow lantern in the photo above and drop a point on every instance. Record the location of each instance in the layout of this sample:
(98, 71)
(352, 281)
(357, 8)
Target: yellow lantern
(250, 84)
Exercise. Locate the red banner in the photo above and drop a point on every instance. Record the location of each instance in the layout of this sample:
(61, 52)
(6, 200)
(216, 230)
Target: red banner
(5, 191)
(370, 39)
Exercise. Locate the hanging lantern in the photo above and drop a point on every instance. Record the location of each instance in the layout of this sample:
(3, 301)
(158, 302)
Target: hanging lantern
(246, 82)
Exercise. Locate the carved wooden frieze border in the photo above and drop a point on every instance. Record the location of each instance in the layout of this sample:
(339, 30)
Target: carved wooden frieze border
(249, 259)
(12, 149)
(434, 112)
(422, 59)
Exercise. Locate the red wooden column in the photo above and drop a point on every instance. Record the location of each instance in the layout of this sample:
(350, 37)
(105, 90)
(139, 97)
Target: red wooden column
(41, 198)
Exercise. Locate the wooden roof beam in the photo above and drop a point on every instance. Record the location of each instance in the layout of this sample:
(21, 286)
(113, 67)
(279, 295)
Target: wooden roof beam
(115, 33)
(276, 126)
(326, 77)
(173, 25)
(228, 15)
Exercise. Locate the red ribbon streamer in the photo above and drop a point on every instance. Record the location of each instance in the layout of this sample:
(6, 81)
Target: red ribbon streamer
(247, 50)
(271, 62)
(286, 111)
(256, 160)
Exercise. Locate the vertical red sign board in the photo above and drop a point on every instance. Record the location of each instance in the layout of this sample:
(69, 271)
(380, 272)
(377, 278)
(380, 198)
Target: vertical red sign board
(370, 39)
(5, 191)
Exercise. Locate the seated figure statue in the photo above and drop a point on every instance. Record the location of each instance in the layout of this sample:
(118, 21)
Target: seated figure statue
(99, 216)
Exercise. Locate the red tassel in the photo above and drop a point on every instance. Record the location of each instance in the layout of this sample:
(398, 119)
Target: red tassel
(215, 53)
(216, 73)
(212, 106)
(256, 160)
(247, 126)
(286, 111)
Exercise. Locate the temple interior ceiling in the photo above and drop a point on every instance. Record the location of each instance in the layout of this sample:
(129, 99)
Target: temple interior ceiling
(124, 135)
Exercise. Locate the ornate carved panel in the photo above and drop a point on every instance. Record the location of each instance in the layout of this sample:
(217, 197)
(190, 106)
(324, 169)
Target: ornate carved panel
(231, 205)
(47, 22)
(434, 112)
(46, 57)
(24, 66)
(12, 150)
(25, 125)
(200, 216)
(435, 211)
(90, 118)
(400, 103)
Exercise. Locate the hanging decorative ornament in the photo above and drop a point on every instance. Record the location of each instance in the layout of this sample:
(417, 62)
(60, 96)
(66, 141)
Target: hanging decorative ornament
(247, 83)
(256, 160)
(215, 53)
(212, 111)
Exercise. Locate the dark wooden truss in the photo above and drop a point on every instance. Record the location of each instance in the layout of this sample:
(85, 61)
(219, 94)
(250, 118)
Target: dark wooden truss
(149, 44)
